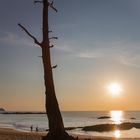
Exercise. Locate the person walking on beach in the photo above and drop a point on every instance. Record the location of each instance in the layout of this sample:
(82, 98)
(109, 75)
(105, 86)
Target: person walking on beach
(31, 128)
(37, 129)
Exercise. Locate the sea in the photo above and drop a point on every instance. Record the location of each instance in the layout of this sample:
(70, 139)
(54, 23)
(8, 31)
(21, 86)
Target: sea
(78, 119)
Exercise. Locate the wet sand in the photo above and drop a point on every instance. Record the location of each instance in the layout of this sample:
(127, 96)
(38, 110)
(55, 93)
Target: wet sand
(10, 134)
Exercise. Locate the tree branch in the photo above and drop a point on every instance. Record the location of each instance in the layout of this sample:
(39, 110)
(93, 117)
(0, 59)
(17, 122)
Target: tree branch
(51, 6)
(37, 1)
(53, 37)
(29, 34)
(51, 46)
(53, 67)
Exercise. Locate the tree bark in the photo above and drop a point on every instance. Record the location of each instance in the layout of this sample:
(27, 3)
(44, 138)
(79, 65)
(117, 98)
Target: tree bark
(52, 107)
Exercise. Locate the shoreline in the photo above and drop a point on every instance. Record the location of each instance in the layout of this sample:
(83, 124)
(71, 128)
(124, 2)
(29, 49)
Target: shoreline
(12, 134)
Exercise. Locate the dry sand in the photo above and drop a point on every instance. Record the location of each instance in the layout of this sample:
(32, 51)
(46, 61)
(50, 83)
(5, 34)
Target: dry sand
(10, 134)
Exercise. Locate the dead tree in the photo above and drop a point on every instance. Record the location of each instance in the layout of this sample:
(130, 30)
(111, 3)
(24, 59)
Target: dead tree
(56, 126)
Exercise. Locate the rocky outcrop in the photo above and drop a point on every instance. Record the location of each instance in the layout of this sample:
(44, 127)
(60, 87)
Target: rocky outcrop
(2, 110)
(104, 117)
(112, 127)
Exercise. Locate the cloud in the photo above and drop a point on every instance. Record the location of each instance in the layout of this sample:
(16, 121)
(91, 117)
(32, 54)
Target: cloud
(88, 55)
(101, 49)
(14, 40)
(131, 59)
(131, 62)
(64, 48)
(125, 52)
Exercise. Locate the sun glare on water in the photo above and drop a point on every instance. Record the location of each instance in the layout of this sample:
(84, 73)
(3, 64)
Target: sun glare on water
(116, 116)
(117, 134)
(114, 88)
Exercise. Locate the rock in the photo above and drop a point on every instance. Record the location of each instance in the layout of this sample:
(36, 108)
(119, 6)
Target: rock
(132, 118)
(100, 128)
(136, 125)
(104, 117)
(2, 110)
(111, 127)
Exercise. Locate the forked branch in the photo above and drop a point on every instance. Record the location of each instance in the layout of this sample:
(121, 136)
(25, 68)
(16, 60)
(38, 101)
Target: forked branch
(29, 34)
(49, 3)
(52, 6)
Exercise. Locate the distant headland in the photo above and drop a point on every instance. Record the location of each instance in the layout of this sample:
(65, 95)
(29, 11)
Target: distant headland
(2, 110)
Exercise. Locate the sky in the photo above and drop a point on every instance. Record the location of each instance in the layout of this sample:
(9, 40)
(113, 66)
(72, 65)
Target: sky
(99, 44)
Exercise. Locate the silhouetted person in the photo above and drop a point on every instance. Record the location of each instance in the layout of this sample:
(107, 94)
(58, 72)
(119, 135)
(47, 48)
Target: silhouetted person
(31, 128)
(37, 129)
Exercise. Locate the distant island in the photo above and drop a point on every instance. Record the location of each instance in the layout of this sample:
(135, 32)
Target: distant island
(104, 117)
(16, 112)
(2, 110)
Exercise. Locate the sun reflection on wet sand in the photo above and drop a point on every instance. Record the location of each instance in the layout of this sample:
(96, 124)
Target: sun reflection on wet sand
(117, 133)
(116, 116)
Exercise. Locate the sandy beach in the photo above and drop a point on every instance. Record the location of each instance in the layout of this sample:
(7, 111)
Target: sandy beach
(11, 134)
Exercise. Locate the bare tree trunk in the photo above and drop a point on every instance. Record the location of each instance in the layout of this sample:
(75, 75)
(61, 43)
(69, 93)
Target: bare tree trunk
(52, 107)
(56, 126)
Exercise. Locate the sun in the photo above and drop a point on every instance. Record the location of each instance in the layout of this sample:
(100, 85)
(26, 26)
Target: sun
(114, 88)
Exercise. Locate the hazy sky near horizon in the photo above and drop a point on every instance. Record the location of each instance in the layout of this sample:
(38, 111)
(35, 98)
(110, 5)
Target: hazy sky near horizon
(99, 43)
